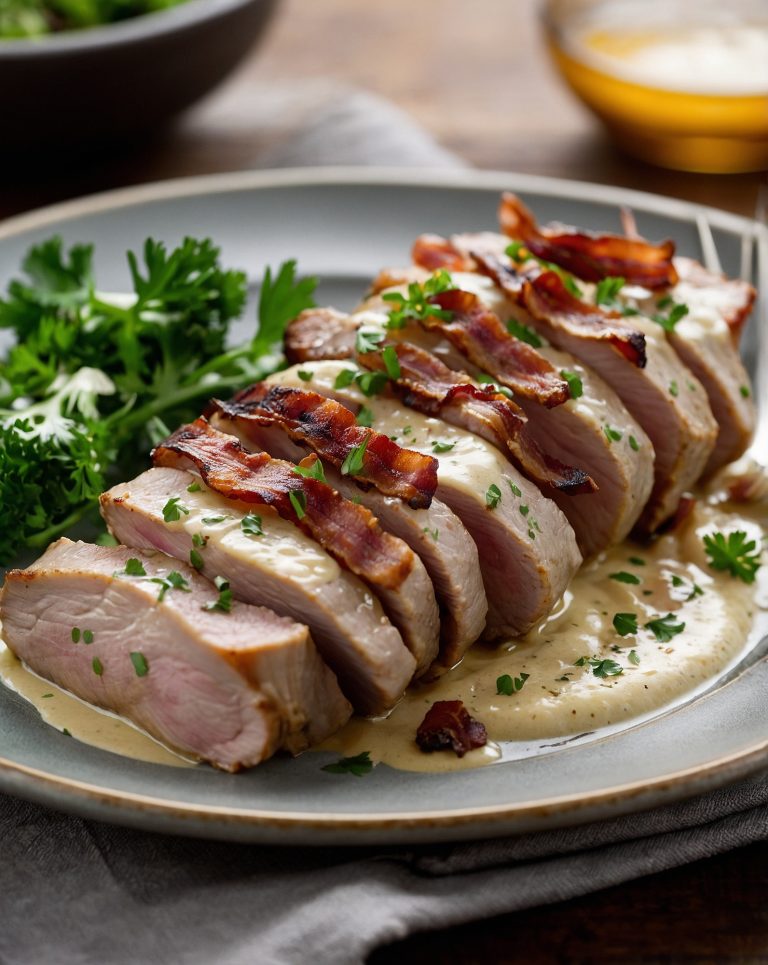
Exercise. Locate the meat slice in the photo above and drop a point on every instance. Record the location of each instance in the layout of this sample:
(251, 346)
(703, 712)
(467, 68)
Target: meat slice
(665, 397)
(269, 561)
(319, 333)
(705, 339)
(228, 687)
(527, 549)
(581, 432)
(348, 531)
(435, 533)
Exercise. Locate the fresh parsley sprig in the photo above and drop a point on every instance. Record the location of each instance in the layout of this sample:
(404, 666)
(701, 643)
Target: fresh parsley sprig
(416, 305)
(734, 553)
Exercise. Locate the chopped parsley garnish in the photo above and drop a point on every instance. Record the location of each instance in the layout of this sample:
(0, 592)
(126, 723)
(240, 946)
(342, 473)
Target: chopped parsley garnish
(45, 696)
(353, 462)
(507, 685)
(133, 567)
(744, 391)
(492, 496)
(196, 560)
(224, 601)
(76, 633)
(315, 471)
(633, 657)
(194, 487)
(634, 444)
(518, 252)
(524, 510)
(364, 417)
(391, 362)
(439, 447)
(174, 581)
(251, 524)
(213, 520)
(677, 580)
(173, 510)
(87, 636)
(625, 623)
(304, 375)
(607, 292)
(611, 434)
(574, 383)
(673, 389)
(515, 490)
(623, 577)
(524, 332)
(416, 305)
(106, 539)
(664, 628)
(140, 664)
(299, 502)
(676, 312)
(198, 540)
(97, 666)
(359, 765)
(344, 378)
(434, 533)
(371, 383)
(735, 553)
(695, 591)
(600, 668)
(368, 340)
(636, 561)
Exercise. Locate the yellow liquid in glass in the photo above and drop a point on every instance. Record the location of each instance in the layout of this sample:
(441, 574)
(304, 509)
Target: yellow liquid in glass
(692, 99)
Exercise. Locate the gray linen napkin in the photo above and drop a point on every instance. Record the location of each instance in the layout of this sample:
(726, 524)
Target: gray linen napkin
(75, 891)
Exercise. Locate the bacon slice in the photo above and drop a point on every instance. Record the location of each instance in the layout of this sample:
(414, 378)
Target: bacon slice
(350, 533)
(331, 431)
(448, 726)
(587, 255)
(320, 333)
(429, 386)
(546, 297)
(434, 252)
(482, 337)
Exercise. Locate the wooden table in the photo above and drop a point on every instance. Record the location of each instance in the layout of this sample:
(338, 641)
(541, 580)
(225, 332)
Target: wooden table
(476, 76)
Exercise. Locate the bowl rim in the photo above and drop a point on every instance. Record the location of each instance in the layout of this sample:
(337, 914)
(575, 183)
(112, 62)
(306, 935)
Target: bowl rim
(134, 30)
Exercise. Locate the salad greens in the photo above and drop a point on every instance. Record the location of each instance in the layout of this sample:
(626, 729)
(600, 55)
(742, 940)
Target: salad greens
(92, 380)
(33, 18)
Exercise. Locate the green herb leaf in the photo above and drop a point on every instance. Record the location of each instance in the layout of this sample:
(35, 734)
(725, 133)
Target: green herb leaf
(304, 375)
(224, 601)
(371, 383)
(251, 524)
(133, 567)
(636, 561)
(524, 332)
(492, 496)
(215, 520)
(735, 553)
(97, 666)
(194, 487)
(633, 657)
(391, 362)
(87, 636)
(611, 434)
(744, 391)
(623, 577)
(440, 447)
(281, 299)
(315, 471)
(670, 320)
(367, 340)
(664, 628)
(106, 539)
(574, 383)
(76, 633)
(507, 685)
(625, 623)
(364, 417)
(139, 662)
(634, 444)
(416, 305)
(359, 765)
(173, 581)
(434, 533)
(299, 502)
(344, 378)
(607, 292)
(354, 461)
(196, 560)
(173, 510)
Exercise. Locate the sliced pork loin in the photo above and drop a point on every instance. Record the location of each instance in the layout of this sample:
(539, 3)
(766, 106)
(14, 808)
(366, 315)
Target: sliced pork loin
(706, 339)
(268, 561)
(527, 549)
(581, 432)
(434, 532)
(229, 687)
(347, 530)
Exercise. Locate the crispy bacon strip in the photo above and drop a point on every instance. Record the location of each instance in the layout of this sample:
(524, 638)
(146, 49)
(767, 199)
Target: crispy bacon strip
(434, 252)
(547, 298)
(350, 533)
(331, 431)
(320, 333)
(590, 256)
(429, 386)
(448, 726)
(482, 337)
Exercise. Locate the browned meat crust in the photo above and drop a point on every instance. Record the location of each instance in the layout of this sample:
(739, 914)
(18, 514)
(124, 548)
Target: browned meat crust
(320, 333)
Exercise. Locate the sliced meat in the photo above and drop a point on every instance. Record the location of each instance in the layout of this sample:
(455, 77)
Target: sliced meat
(705, 340)
(227, 687)
(332, 432)
(576, 433)
(587, 255)
(527, 549)
(435, 533)
(322, 330)
(269, 561)
(348, 531)
(665, 397)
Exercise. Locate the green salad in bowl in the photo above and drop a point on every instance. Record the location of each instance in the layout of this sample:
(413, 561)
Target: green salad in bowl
(34, 18)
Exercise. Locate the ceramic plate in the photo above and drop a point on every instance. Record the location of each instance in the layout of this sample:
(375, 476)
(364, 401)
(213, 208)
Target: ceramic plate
(343, 225)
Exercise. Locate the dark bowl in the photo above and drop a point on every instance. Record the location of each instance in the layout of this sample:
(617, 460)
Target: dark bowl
(123, 79)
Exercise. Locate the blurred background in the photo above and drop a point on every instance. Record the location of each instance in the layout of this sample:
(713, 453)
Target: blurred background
(476, 77)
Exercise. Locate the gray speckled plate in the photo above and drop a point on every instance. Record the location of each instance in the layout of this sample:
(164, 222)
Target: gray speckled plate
(343, 225)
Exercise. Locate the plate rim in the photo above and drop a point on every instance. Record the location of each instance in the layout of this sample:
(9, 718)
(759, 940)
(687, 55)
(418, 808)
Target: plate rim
(492, 820)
